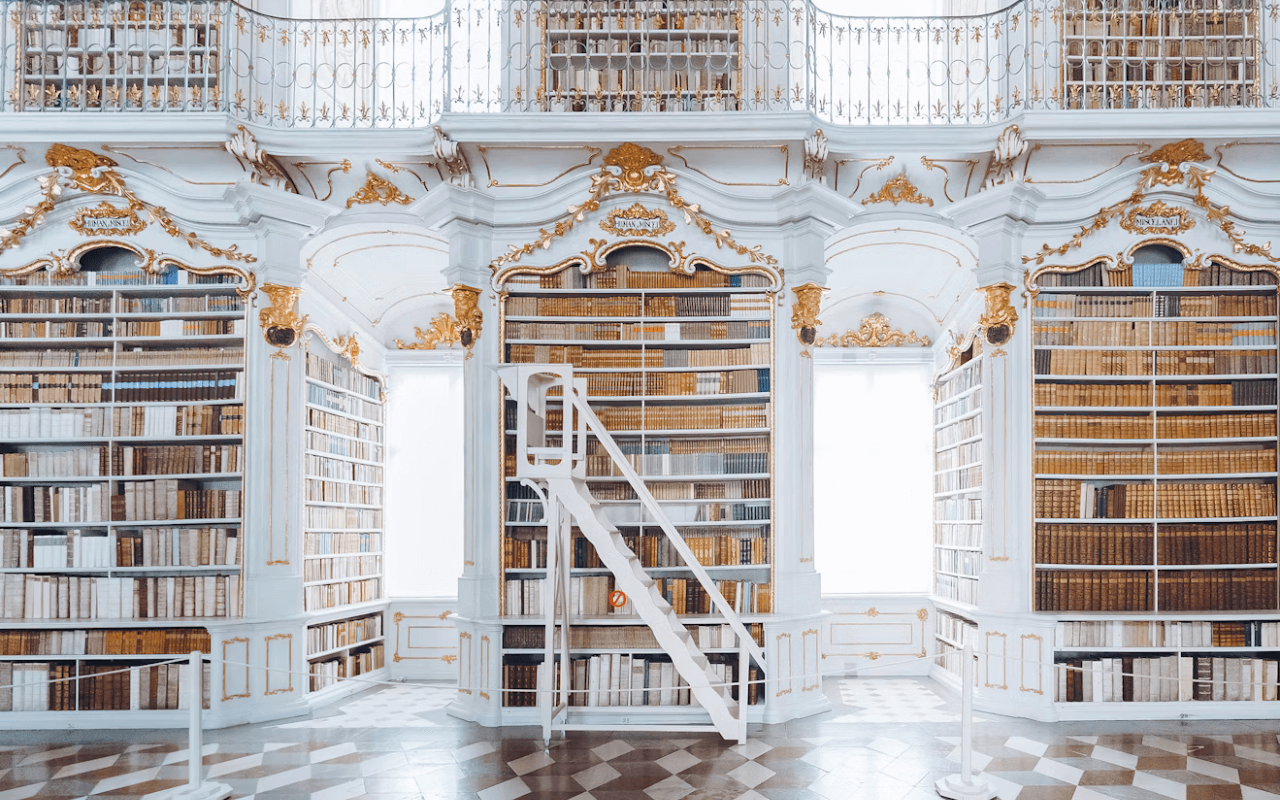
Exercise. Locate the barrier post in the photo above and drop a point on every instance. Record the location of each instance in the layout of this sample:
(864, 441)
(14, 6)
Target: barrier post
(197, 788)
(965, 786)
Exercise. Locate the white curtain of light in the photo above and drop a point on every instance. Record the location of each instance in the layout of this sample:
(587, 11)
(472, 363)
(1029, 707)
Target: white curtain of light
(873, 448)
(423, 540)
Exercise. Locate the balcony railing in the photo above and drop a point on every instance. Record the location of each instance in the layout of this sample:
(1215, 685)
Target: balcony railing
(176, 56)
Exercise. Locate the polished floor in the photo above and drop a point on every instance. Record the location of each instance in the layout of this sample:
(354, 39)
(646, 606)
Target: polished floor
(886, 739)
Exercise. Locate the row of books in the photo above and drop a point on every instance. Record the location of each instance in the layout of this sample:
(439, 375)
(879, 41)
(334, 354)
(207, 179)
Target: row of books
(344, 426)
(128, 460)
(960, 380)
(75, 304)
(955, 588)
(679, 513)
(1094, 544)
(148, 547)
(625, 384)
(1102, 461)
(638, 331)
(178, 387)
(355, 566)
(77, 461)
(1094, 590)
(343, 633)
(345, 447)
(327, 518)
(954, 457)
(958, 431)
(1167, 426)
(1085, 500)
(955, 628)
(950, 535)
(317, 366)
(346, 403)
(338, 668)
(624, 637)
(708, 417)
(631, 358)
(24, 549)
(945, 412)
(1157, 334)
(39, 686)
(83, 597)
(108, 279)
(589, 596)
(69, 504)
(964, 478)
(614, 679)
(1167, 362)
(1166, 679)
(321, 543)
(1057, 305)
(157, 421)
(134, 357)
(958, 562)
(54, 330)
(1228, 393)
(752, 306)
(1142, 274)
(1167, 633)
(953, 509)
(193, 304)
(665, 464)
(337, 469)
(526, 548)
(104, 642)
(179, 327)
(322, 491)
(333, 595)
(177, 499)
(746, 489)
(1222, 590)
(620, 277)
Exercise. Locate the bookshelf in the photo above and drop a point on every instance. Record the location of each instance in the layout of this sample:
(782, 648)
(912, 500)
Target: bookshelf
(135, 54)
(679, 369)
(1148, 55)
(343, 581)
(1154, 479)
(673, 55)
(121, 469)
(958, 501)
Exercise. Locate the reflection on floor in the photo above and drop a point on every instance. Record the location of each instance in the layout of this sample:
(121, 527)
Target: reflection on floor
(886, 739)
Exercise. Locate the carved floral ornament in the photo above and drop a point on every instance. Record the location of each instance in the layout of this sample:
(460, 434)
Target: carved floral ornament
(630, 168)
(86, 171)
(466, 308)
(347, 347)
(1174, 165)
(443, 329)
(898, 190)
(281, 325)
(804, 312)
(875, 331)
(1000, 317)
(378, 190)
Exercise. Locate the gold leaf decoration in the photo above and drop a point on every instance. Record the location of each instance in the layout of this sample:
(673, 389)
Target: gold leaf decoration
(875, 331)
(898, 190)
(444, 328)
(378, 190)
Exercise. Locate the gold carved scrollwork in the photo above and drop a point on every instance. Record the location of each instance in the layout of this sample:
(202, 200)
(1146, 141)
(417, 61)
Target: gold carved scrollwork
(84, 169)
(898, 190)
(999, 318)
(127, 218)
(875, 331)
(1170, 159)
(804, 312)
(466, 309)
(281, 325)
(378, 190)
(637, 220)
(634, 165)
(444, 328)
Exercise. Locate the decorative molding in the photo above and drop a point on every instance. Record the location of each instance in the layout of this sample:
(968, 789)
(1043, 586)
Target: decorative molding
(454, 160)
(875, 163)
(399, 617)
(804, 312)
(65, 263)
(288, 669)
(936, 163)
(1157, 218)
(493, 182)
(105, 219)
(816, 151)
(396, 169)
(378, 190)
(466, 309)
(1038, 146)
(247, 691)
(444, 328)
(281, 325)
(1022, 682)
(630, 168)
(897, 190)
(637, 220)
(959, 344)
(1000, 318)
(785, 150)
(1170, 160)
(1009, 148)
(989, 681)
(875, 331)
(266, 168)
(343, 166)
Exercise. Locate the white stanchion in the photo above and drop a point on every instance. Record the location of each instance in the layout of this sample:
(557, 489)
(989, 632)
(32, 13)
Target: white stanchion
(197, 788)
(965, 786)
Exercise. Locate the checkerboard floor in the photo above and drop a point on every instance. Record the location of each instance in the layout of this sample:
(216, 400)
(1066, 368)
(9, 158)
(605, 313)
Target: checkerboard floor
(886, 739)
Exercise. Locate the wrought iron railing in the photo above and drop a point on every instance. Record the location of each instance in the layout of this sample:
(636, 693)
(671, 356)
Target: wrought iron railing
(177, 56)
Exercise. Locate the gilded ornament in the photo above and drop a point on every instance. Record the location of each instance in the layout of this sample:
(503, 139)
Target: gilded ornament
(107, 220)
(804, 312)
(281, 325)
(267, 170)
(85, 169)
(1000, 317)
(444, 328)
(815, 155)
(1170, 159)
(635, 165)
(466, 309)
(453, 158)
(378, 190)
(898, 190)
(1157, 218)
(637, 220)
(875, 331)
(1009, 147)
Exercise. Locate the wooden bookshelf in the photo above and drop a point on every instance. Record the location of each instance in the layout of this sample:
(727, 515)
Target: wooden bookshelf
(121, 469)
(1155, 457)
(957, 482)
(345, 648)
(679, 370)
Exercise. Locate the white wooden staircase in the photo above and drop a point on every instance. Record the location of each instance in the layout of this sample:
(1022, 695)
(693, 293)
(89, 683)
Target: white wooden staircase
(557, 474)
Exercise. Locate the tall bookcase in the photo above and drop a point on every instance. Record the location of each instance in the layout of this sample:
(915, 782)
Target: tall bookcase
(121, 445)
(958, 502)
(344, 592)
(128, 54)
(679, 370)
(1154, 481)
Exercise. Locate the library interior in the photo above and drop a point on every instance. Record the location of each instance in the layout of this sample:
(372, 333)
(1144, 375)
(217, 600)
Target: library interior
(653, 399)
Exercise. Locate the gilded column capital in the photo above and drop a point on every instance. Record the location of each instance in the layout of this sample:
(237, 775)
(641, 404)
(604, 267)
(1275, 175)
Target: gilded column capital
(466, 309)
(999, 318)
(281, 325)
(804, 312)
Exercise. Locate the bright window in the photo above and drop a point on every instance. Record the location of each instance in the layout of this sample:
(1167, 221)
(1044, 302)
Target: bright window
(872, 472)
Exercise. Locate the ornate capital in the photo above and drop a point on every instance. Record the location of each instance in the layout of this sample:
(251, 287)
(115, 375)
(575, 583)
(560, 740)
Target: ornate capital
(898, 190)
(875, 331)
(281, 325)
(999, 318)
(452, 157)
(466, 309)
(804, 312)
(815, 155)
(444, 328)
